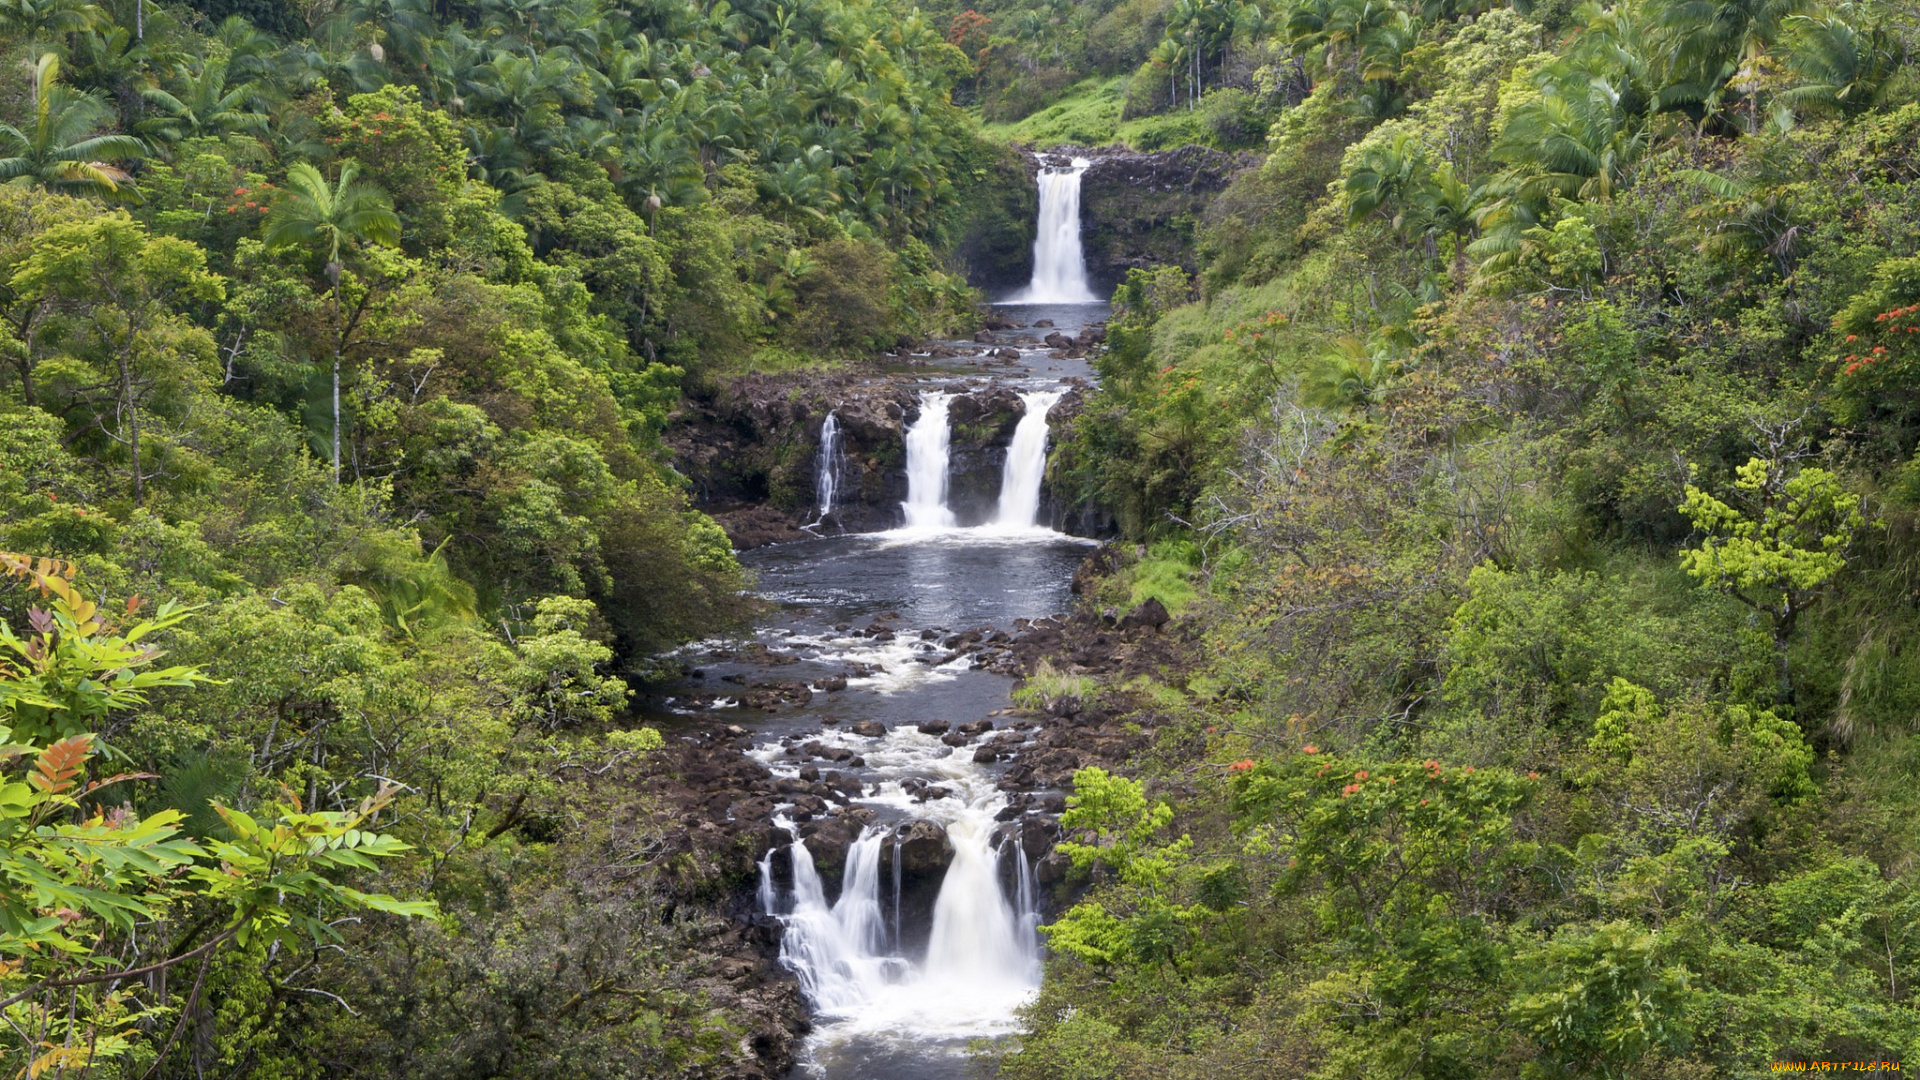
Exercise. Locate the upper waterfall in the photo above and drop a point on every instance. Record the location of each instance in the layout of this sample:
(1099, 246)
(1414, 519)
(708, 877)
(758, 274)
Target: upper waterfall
(1059, 266)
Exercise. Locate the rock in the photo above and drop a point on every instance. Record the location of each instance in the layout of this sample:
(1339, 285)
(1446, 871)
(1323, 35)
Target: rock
(924, 847)
(872, 729)
(956, 738)
(975, 727)
(1151, 614)
(1043, 324)
(985, 755)
(1058, 340)
(934, 727)
(1052, 868)
(831, 684)
(984, 337)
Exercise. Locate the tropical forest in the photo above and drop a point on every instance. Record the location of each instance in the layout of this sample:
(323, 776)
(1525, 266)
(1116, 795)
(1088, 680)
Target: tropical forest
(920, 539)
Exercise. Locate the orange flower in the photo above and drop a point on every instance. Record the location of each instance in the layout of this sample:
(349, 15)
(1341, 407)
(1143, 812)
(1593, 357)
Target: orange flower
(1309, 749)
(1361, 775)
(1241, 766)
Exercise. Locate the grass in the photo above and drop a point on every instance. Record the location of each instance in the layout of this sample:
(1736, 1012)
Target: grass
(1048, 684)
(1089, 115)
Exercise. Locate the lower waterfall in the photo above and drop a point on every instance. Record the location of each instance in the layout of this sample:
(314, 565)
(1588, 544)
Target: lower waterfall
(1026, 463)
(855, 963)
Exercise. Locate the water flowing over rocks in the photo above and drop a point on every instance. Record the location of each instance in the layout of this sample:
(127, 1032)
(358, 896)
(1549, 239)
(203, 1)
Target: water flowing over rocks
(751, 447)
(914, 803)
(1138, 209)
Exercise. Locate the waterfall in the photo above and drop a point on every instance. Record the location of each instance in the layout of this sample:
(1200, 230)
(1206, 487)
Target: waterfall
(1026, 463)
(830, 463)
(1059, 267)
(837, 950)
(977, 939)
(983, 959)
(927, 442)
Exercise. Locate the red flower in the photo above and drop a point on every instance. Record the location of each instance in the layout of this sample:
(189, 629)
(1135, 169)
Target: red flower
(1241, 766)
(1361, 775)
(1309, 749)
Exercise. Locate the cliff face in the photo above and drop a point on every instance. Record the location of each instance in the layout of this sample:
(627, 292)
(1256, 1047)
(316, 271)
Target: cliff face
(1140, 209)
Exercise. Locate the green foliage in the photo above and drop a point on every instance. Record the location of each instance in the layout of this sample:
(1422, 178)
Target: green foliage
(87, 885)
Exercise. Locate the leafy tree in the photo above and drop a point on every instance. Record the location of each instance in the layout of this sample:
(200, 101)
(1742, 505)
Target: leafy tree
(1779, 548)
(97, 898)
(121, 292)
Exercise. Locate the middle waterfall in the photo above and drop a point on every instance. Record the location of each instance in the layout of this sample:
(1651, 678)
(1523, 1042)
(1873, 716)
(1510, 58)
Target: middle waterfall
(928, 443)
(1026, 463)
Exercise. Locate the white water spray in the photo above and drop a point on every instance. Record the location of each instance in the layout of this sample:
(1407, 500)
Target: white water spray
(927, 448)
(1026, 463)
(977, 939)
(983, 954)
(1059, 266)
(828, 466)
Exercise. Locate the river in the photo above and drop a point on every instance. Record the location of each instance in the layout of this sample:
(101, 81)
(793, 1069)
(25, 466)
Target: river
(901, 987)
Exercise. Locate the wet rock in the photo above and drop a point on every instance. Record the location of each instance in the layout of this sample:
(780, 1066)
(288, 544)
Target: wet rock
(975, 727)
(956, 738)
(924, 848)
(934, 727)
(1043, 324)
(831, 684)
(986, 755)
(872, 729)
(1058, 340)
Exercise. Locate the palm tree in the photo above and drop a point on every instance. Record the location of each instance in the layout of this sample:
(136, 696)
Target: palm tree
(205, 105)
(1838, 67)
(59, 151)
(1721, 43)
(318, 216)
(41, 18)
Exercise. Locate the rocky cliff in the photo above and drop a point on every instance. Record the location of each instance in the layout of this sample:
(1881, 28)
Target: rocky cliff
(1140, 209)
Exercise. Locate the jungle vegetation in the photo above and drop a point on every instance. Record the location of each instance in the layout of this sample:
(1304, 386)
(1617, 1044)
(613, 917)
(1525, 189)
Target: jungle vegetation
(1532, 461)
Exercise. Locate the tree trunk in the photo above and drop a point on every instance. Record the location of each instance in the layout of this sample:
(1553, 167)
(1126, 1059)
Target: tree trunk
(133, 427)
(338, 333)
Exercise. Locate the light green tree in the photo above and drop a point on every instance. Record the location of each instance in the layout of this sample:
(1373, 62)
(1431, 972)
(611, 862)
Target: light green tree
(1775, 547)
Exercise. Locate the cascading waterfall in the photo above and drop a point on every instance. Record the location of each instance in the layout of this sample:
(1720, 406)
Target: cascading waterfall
(977, 935)
(1059, 266)
(1026, 463)
(830, 464)
(927, 446)
(838, 950)
(983, 956)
